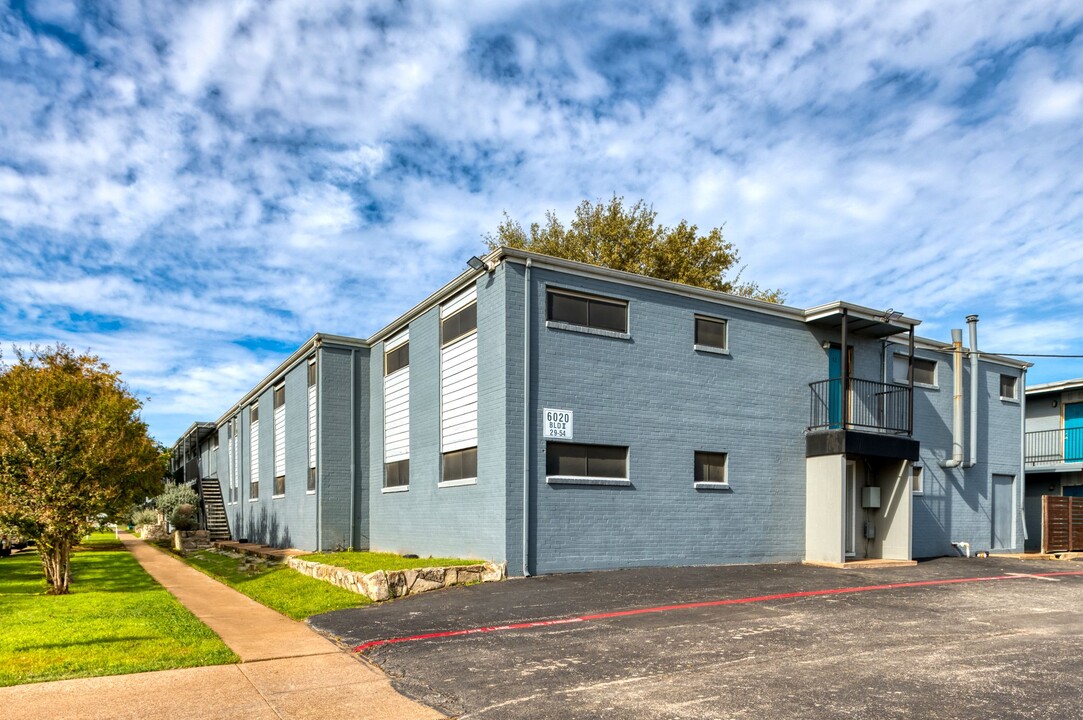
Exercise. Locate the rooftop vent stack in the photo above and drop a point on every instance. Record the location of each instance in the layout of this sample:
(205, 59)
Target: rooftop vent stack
(957, 401)
(972, 322)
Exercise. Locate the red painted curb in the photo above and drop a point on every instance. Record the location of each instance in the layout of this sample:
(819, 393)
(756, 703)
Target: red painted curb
(708, 603)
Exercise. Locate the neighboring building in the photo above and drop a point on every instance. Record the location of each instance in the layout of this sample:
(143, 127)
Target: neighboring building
(1054, 448)
(631, 421)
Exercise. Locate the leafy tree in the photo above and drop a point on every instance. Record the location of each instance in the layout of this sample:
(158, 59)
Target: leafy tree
(72, 446)
(632, 239)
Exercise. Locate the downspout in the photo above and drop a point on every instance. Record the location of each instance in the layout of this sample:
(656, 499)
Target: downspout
(957, 401)
(972, 321)
(319, 441)
(353, 446)
(1023, 453)
(526, 420)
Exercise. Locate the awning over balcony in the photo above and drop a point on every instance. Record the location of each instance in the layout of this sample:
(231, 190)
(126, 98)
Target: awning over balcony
(860, 320)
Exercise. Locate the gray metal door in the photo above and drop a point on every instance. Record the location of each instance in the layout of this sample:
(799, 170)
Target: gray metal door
(1002, 511)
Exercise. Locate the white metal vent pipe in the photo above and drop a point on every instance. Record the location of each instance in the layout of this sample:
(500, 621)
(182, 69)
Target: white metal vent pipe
(957, 401)
(972, 322)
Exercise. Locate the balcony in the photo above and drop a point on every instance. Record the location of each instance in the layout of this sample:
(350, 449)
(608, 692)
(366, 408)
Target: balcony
(1054, 447)
(871, 406)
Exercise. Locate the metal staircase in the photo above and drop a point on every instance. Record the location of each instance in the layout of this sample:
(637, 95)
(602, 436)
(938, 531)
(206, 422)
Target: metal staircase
(214, 510)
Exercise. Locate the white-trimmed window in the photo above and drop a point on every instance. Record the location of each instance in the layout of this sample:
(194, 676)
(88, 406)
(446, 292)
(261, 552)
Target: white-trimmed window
(711, 334)
(213, 462)
(917, 479)
(312, 425)
(253, 451)
(279, 441)
(710, 470)
(588, 311)
(459, 389)
(579, 464)
(925, 374)
(232, 459)
(1009, 385)
(397, 411)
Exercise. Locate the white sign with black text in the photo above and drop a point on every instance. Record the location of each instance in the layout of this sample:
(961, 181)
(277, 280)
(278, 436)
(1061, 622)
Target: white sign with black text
(557, 424)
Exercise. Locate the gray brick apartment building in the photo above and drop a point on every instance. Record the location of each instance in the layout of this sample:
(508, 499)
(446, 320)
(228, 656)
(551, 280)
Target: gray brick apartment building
(559, 417)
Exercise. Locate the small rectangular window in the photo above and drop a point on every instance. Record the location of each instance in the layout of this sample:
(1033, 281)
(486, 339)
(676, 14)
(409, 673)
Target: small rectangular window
(1007, 387)
(397, 359)
(254, 413)
(710, 468)
(588, 311)
(458, 324)
(917, 480)
(280, 485)
(312, 479)
(253, 490)
(924, 371)
(397, 474)
(280, 396)
(311, 373)
(711, 333)
(459, 465)
(570, 460)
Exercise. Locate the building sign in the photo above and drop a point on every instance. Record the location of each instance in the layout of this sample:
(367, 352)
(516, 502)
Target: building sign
(557, 424)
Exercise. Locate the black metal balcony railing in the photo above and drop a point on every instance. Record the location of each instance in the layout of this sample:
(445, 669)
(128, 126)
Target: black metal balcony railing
(869, 405)
(1054, 447)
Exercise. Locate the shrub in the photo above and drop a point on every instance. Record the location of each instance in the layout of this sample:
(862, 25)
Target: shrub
(185, 517)
(175, 496)
(145, 516)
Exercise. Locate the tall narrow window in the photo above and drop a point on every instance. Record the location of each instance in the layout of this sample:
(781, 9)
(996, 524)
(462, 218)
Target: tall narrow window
(917, 480)
(280, 441)
(253, 449)
(230, 450)
(312, 425)
(459, 388)
(397, 411)
(236, 458)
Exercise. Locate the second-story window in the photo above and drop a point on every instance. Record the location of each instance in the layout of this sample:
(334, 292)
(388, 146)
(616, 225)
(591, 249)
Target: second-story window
(1008, 384)
(587, 311)
(279, 488)
(710, 333)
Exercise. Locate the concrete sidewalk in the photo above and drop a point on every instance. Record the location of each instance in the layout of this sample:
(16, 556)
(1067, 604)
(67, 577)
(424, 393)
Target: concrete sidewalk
(287, 669)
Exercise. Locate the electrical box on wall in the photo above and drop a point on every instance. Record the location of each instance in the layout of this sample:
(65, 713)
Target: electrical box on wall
(870, 497)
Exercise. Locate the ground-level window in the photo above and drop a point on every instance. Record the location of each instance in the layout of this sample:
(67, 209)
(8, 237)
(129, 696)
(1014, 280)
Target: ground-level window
(280, 485)
(710, 333)
(1008, 384)
(459, 465)
(917, 480)
(397, 474)
(587, 311)
(711, 468)
(574, 460)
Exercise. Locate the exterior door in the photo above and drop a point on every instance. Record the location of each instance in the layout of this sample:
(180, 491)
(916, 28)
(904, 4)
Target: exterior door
(834, 375)
(1002, 511)
(1073, 432)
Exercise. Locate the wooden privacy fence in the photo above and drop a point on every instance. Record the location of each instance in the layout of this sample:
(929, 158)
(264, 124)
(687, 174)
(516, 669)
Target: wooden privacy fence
(1062, 524)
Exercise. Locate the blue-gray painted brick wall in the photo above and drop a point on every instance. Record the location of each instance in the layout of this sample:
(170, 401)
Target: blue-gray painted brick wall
(514, 461)
(363, 493)
(465, 521)
(957, 502)
(664, 400)
(336, 447)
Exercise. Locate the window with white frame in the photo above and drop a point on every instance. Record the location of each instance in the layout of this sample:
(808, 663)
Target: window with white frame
(253, 451)
(574, 460)
(231, 448)
(397, 411)
(710, 469)
(924, 371)
(710, 334)
(279, 488)
(589, 311)
(1008, 387)
(917, 479)
(312, 425)
(237, 445)
(459, 389)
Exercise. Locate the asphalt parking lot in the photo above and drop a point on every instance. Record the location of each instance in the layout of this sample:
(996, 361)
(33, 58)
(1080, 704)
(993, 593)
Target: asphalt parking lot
(950, 638)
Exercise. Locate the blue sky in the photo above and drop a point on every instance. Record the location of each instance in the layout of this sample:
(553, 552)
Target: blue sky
(191, 190)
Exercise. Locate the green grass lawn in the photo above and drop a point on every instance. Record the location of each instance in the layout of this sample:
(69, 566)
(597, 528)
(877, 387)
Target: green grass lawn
(367, 562)
(116, 620)
(276, 586)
